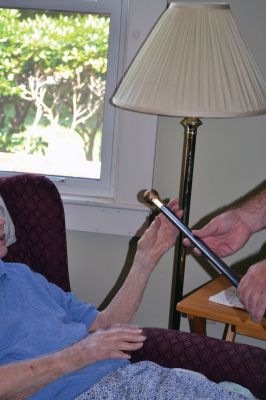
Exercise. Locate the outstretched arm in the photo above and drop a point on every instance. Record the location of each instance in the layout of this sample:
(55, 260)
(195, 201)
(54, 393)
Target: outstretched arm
(157, 239)
(229, 231)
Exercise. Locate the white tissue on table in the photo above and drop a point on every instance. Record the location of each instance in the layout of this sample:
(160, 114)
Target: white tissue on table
(227, 297)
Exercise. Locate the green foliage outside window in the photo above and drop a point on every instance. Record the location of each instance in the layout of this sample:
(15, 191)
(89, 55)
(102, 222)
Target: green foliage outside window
(52, 75)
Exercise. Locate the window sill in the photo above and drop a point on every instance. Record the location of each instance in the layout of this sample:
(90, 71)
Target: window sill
(104, 216)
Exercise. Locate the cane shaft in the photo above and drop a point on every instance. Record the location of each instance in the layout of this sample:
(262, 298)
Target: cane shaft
(209, 254)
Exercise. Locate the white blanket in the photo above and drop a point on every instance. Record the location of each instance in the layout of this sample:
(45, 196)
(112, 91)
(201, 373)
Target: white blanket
(148, 381)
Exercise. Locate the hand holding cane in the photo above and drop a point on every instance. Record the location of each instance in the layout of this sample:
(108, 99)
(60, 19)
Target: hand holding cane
(152, 197)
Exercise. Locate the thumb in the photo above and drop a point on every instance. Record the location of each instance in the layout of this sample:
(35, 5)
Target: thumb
(206, 231)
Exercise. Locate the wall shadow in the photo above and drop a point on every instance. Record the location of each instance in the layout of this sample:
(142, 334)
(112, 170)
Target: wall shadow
(239, 267)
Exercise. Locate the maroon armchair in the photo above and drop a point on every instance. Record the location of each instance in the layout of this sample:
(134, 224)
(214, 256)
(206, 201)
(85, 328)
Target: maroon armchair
(37, 212)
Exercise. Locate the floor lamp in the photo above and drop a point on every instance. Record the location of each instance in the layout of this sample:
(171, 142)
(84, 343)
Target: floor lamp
(194, 64)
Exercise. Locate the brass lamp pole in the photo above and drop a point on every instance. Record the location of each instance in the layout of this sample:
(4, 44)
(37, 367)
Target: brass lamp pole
(190, 135)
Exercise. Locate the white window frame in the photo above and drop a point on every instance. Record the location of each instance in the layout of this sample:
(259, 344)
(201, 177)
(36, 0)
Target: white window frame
(111, 205)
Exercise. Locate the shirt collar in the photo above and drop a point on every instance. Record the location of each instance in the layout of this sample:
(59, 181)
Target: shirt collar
(2, 268)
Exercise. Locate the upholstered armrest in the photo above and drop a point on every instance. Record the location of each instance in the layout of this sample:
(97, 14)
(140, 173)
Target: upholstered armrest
(217, 359)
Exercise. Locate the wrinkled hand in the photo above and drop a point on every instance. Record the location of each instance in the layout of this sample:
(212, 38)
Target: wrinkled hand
(113, 342)
(224, 234)
(159, 237)
(252, 290)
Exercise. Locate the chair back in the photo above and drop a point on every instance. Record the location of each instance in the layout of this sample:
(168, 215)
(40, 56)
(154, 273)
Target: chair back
(36, 209)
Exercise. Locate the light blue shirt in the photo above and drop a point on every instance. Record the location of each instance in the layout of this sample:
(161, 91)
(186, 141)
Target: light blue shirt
(37, 318)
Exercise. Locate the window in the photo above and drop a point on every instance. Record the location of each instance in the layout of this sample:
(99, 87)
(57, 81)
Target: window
(56, 86)
(58, 70)
(53, 81)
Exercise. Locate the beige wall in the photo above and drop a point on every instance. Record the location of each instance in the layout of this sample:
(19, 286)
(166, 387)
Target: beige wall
(230, 161)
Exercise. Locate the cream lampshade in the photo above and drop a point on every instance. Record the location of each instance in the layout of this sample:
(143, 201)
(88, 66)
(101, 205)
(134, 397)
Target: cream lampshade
(194, 64)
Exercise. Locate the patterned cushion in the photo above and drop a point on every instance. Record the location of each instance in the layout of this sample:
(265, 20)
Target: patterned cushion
(37, 212)
(217, 359)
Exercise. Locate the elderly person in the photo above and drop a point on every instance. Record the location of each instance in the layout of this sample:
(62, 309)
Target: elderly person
(54, 347)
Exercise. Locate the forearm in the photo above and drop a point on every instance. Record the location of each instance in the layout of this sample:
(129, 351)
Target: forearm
(157, 239)
(253, 211)
(125, 304)
(21, 380)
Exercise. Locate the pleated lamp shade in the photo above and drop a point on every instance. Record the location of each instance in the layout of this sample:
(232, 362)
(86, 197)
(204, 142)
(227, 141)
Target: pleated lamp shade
(194, 63)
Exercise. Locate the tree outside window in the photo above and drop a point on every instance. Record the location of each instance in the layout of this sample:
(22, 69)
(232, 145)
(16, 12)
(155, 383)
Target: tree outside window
(52, 85)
